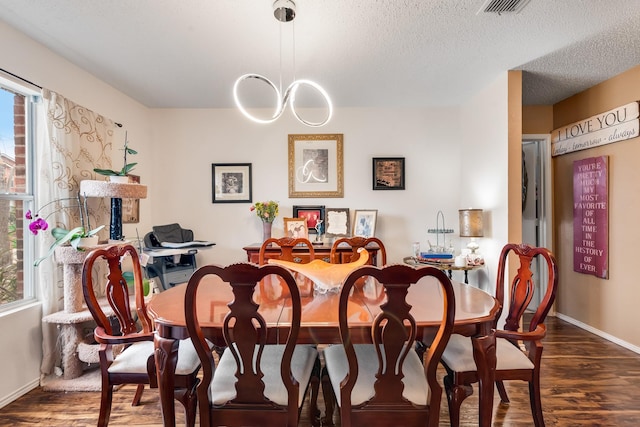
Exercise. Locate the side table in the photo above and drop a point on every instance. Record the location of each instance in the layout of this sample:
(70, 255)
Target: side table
(448, 268)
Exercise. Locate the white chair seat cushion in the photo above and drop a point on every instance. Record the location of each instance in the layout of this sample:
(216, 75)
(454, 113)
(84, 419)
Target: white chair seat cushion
(134, 358)
(416, 388)
(458, 355)
(222, 388)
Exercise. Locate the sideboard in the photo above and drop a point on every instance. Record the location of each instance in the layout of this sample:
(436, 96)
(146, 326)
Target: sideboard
(302, 253)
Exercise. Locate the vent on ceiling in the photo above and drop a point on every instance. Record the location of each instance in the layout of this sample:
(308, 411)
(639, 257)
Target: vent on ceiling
(503, 6)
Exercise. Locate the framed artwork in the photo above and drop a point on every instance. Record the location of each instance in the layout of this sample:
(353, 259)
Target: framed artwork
(364, 223)
(131, 207)
(388, 173)
(231, 182)
(314, 215)
(296, 228)
(337, 222)
(316, 166)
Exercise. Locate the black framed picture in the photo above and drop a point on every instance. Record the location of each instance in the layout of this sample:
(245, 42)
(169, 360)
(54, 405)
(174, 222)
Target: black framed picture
(314, 215)
(231, 182)
(388, 173)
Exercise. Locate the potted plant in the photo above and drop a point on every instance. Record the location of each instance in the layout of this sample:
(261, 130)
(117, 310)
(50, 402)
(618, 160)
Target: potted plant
(126, 168)
(74, 237)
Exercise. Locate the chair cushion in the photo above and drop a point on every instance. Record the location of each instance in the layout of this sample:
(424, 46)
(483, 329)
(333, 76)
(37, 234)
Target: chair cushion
(458, 355)
(134, 358)
(416, 388)
(222, 388)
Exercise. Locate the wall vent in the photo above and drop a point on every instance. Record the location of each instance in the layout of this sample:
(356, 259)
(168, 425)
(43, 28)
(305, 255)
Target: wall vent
(502, 6)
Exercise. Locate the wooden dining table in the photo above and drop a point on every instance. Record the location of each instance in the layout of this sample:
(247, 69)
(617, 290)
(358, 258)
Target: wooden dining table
(475, 312)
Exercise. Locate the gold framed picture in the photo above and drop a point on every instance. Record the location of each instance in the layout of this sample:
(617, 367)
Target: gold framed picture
(296, 228)
(316, 165)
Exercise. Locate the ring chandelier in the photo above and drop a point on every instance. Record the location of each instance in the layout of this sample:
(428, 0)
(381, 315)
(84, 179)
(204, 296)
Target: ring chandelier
(284, 11)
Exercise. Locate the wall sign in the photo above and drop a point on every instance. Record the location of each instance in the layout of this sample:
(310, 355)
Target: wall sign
(591, 216)
(611, 126)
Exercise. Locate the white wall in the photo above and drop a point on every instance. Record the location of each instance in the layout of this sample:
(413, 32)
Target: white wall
(484, 159)
(187, 142)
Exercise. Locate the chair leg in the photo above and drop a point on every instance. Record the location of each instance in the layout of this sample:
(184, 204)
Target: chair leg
(138, 395)
(314, 386)
(504, 397)
(455, 396)
(329, 398)
(536, 402)
(105, 405)
(189, 399)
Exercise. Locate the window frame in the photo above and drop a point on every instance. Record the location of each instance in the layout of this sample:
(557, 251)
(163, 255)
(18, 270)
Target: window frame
(31, 97)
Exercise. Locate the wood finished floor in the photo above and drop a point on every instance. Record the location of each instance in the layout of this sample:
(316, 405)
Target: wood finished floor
(587, 381)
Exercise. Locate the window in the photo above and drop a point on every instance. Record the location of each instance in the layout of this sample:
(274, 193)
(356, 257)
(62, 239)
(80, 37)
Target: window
(16, 193)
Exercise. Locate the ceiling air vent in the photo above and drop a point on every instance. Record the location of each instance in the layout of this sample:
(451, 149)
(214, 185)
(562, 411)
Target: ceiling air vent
(502, 6)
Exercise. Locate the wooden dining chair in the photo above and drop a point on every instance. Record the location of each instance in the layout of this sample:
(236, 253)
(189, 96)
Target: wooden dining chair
(513, 361)
(125, 335)
(356, 243)
(255, 383)
(286, 246)
(386, 383)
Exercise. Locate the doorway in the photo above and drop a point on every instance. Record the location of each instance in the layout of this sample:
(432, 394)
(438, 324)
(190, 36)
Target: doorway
(536, 203)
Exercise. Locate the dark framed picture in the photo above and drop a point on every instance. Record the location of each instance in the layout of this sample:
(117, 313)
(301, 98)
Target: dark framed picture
(314, 215)
(231, 182)
(388, 173)
(337, 222)
(131, 207)
(316, 165)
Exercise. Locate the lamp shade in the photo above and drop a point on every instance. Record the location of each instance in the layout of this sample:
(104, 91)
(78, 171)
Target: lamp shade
(471, 223)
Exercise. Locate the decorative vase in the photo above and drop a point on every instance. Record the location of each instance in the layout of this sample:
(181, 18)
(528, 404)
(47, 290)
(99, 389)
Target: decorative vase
(119, 179)
(266, 230)
(87, 242)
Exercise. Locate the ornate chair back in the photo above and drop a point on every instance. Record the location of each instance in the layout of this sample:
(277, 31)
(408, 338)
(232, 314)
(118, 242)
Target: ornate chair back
(287, 246)
(356, 243)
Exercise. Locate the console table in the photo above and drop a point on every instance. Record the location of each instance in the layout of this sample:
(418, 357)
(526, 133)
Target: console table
(302, 253)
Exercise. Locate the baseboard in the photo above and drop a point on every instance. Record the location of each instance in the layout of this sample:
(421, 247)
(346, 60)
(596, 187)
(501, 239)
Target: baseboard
(20, 392)
(599, 333)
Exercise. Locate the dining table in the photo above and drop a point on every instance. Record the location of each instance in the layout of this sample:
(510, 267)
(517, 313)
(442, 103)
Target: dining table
(474, 317)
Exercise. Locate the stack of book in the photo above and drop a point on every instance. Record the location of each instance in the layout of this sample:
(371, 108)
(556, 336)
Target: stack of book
(435, 258)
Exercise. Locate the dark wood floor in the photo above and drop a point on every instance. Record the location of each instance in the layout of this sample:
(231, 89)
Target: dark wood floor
(587, 381)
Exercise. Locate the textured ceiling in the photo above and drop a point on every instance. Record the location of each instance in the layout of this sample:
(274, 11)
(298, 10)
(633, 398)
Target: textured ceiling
(365, 53)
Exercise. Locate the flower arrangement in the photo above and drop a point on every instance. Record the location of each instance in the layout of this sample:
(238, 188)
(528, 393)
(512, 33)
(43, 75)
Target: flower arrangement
(266, 211)
(62, 235)
(126, 168)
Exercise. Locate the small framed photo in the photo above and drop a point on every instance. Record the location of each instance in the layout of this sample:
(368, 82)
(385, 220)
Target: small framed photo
(314, 216)
(337, 222)
(296, 228)
(364, 223)
(231, 182)
(388, 173)
(131, 207)
(316, 165)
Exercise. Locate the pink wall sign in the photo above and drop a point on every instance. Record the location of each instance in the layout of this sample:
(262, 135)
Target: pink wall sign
(591, 216)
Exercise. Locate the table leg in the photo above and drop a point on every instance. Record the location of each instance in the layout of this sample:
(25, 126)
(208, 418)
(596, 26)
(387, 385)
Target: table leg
(450, 274)
(466, 277)
(166, 355)
(484, 354)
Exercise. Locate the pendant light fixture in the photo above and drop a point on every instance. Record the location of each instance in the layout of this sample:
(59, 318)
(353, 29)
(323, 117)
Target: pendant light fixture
(284, 11)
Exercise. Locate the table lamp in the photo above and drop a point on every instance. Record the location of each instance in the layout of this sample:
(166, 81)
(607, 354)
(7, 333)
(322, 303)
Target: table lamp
(471, 226)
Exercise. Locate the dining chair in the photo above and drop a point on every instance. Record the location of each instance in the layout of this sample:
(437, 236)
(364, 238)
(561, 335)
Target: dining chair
(518, 351)
(386, 383)
(254, 383)
(356, 243)
(286, 246)
(125, 334)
